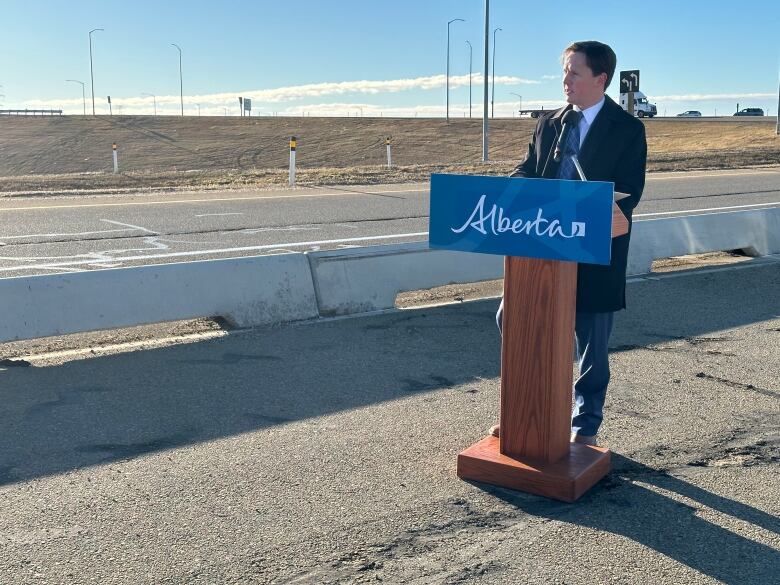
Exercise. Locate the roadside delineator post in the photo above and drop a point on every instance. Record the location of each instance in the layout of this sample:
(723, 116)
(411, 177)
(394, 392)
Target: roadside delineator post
(116, 160)
(389, 153)
(292, 160)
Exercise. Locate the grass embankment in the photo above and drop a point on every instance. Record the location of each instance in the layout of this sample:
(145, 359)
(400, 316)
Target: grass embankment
(73, 154)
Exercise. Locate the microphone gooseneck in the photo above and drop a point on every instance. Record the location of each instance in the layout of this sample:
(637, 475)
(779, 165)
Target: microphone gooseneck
(570, 119)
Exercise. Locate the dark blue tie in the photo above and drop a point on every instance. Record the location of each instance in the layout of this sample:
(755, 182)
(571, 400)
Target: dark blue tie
(567, 170)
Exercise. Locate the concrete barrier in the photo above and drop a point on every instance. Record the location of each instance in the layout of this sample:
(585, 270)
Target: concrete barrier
(368, 279)
(756, 232)
(245, 291)
(292, 287)
(359, 280)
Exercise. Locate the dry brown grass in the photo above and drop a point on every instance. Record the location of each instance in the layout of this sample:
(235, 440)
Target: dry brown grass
(73, 153)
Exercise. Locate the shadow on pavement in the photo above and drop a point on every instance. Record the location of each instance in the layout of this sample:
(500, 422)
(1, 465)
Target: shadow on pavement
(647, 515)
(89, 412)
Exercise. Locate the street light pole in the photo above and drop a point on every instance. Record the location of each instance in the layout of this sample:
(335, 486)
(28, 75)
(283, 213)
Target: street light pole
(448, 63)
(493, 95)
(154, 97)
(470, 55)
(83, 97)
(485, 85)
(91, 71)
(181, 83)
(777, 117)
(521, 99)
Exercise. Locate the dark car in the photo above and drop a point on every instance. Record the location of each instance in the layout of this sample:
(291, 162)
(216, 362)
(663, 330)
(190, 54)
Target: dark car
(750, 112)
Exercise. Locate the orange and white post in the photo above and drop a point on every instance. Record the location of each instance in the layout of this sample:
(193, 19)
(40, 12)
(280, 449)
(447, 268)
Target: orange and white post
(293, 144)
(116, 160)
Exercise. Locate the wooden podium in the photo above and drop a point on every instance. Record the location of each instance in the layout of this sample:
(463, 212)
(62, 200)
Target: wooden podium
(533, 453)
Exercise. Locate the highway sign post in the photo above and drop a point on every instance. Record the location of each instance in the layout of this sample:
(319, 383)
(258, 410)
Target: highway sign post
(629, 83)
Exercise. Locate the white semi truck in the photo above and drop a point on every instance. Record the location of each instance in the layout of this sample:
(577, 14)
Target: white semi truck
(642, 108)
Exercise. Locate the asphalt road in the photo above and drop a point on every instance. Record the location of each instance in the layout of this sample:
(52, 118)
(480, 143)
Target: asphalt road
(325, 453)
(50, 235)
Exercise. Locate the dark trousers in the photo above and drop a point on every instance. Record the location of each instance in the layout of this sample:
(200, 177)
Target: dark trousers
(591, 337)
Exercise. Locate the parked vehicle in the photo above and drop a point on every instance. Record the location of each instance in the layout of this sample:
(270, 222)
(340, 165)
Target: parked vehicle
(534, 113)
(642, 108)
(750, 112)
(690, 114)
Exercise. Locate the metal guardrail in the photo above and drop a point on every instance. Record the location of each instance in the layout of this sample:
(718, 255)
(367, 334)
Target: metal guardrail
(27, 112)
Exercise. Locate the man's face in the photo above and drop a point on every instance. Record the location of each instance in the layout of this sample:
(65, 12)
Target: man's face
(581, 87)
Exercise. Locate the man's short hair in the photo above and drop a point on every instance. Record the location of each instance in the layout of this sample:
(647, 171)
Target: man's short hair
(599, 57)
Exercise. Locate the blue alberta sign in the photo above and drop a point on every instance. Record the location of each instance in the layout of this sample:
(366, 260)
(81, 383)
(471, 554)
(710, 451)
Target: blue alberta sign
(535, 218)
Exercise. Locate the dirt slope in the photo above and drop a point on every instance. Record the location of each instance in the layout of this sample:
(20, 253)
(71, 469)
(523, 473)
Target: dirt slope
(75, 147)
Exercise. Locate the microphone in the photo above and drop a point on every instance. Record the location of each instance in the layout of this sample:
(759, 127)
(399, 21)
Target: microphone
(570, 119)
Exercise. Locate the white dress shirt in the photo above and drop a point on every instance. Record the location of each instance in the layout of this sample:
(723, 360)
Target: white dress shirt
(588, 115)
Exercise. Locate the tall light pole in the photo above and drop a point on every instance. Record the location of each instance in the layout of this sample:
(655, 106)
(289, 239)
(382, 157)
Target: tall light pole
(154, 97)
(485, 88)
(83, 97)
(448, 63)
(777, 118)
(91, 71)
(181, 83)
(493, 95)
(519, 96)
(470, 55)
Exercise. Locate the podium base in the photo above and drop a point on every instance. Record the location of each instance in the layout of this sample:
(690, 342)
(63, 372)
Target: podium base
(566, 479)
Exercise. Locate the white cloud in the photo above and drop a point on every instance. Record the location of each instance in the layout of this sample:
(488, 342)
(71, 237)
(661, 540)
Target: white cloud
(457, 110)
(549, 77)
(290, 93)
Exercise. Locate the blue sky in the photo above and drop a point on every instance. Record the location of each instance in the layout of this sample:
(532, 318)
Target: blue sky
(379, 58)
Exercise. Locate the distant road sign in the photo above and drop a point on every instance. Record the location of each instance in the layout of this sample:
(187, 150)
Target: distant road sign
(629, 81)
(247, 105)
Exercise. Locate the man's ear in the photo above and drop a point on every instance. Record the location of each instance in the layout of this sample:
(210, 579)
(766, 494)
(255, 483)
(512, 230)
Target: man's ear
(603, 78)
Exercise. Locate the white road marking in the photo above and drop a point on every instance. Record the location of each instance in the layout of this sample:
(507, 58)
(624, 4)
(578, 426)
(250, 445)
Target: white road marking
(217, 214)
(650, 177)
(711, 209)
(290, 228)
(66, 235)
(129, 225)
(653, 177)
(284, 246)
(211, 200)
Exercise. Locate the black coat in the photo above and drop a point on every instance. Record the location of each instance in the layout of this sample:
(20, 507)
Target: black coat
(614, 150)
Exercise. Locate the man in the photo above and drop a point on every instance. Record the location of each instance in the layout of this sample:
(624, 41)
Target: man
(611, 146)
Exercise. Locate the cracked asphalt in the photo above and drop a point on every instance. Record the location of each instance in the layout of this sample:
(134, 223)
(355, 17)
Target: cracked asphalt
(325, 453)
